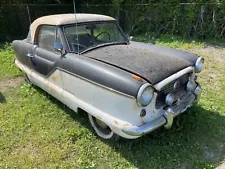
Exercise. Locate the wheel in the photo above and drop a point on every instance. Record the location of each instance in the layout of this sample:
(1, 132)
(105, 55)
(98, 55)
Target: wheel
(101, 129)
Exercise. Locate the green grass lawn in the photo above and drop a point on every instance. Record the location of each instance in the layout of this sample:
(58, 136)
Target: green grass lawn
(37, 131)
(7, 68)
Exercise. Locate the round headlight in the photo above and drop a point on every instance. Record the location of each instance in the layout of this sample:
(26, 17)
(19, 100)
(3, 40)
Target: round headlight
(199, 64)
(191, 86)
(145, 95)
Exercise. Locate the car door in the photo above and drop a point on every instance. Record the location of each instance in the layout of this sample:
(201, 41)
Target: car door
(46, 61)
(45, 58)
(22, 49)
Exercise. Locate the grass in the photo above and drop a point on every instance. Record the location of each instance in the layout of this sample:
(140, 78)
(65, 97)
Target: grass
(7, 68)
(37, 131)
(176, 41)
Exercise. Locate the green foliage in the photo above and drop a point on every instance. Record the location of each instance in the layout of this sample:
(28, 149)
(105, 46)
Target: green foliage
(199, 19)
(7, 68)
(170, 41)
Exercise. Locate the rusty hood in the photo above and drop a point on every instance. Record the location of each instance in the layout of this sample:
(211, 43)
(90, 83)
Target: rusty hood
(154, 63)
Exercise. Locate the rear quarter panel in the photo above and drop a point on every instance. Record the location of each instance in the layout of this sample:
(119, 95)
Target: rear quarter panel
(21, 48)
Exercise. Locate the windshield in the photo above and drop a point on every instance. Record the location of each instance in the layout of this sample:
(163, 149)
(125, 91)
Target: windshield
(90, 35)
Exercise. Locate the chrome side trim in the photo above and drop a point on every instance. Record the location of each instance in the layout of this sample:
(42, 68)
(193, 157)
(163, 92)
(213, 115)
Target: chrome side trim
(113, 90)
(161, 84)
(17, 62)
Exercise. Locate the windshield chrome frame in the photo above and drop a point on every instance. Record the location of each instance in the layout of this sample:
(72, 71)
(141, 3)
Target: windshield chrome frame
(91, 48)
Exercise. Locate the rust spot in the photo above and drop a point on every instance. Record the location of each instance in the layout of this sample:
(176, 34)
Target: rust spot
(143, 121)
(127, 124)
(116, 122)
(137, 77)
(54, 78)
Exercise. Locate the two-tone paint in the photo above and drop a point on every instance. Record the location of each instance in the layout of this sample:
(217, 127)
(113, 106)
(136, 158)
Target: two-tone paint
(101, 81)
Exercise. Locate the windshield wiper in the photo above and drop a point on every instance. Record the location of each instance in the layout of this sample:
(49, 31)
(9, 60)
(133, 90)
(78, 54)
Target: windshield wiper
(105, 44)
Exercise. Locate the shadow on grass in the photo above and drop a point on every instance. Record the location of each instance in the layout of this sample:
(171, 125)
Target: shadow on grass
(197, 140)
(2, 98)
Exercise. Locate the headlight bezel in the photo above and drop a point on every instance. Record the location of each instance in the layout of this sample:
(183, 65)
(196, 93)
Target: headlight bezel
(142, 91)
(199, 65)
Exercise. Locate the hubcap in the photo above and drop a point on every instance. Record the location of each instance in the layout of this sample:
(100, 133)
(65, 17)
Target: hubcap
(101, 124)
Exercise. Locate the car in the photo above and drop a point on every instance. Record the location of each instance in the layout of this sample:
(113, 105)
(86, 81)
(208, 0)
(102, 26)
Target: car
(127, 88)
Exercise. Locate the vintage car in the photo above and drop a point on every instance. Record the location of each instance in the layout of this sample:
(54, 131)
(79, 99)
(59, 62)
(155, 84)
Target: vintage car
(127, 88)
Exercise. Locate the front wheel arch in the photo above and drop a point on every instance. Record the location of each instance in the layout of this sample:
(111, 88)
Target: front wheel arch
(103, 132)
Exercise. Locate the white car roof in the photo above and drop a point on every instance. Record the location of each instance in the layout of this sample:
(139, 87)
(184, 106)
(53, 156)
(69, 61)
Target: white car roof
(64, 19)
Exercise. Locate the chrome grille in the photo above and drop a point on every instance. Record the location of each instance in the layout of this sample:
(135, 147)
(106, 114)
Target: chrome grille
(169, 88)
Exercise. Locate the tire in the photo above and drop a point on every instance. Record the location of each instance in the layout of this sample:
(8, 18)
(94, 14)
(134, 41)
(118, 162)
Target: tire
(102, 130)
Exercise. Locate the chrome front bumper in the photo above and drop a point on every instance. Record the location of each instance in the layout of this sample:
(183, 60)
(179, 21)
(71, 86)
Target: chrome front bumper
(169, 114)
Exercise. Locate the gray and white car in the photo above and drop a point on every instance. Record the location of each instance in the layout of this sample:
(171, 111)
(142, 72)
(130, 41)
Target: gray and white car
(127, 88)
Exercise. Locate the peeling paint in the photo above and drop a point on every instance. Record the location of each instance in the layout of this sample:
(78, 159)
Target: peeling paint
(116, 122)
(143, 121)
(127, 124)
(54, 78)
(149, 62)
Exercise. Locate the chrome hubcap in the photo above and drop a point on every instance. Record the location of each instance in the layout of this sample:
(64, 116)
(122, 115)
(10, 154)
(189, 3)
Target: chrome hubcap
(101, 124)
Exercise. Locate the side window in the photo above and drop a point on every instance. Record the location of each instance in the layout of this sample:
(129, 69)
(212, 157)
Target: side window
(47, 37)
(57, 36)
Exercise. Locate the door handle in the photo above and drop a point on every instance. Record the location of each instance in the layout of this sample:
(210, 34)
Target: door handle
(29, 55)
(31, 58)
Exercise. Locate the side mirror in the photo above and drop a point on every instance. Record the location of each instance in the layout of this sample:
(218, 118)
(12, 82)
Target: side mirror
(129, 37)
(58, 47)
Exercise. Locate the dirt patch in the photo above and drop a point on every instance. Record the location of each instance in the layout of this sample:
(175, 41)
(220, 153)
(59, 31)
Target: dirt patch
(214, 66)
(5, 84)
(217, 53)
(215, 153)
(221, 166)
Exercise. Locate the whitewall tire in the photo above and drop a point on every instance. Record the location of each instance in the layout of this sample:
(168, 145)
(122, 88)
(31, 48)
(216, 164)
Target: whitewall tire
(101, 129)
